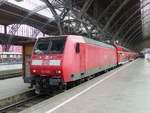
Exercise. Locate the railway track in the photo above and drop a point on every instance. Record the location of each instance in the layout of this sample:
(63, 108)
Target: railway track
(26, 103)
(30, 100)
(7, 76)
(13, 107)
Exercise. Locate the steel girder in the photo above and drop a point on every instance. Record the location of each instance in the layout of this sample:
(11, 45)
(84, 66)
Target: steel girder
(115, 14)
(137, 20)
(74, 18)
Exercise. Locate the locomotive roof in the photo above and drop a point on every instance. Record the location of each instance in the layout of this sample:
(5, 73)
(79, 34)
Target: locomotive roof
(54, 36)
(94, 42)
(87, 40)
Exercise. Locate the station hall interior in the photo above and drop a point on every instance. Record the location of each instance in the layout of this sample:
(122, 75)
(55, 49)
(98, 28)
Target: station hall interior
(74, 56)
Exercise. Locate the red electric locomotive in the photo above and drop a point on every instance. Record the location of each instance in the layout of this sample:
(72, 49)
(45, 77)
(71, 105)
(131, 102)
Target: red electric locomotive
(60, 60)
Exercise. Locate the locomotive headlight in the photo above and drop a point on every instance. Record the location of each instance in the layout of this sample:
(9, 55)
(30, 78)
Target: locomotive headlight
(34, 71)
(57, 71)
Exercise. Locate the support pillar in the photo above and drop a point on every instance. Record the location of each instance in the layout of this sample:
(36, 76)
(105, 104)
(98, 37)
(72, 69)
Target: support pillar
(5, 47)
(5, 29)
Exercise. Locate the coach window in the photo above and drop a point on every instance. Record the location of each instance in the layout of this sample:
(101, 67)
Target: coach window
(77, 48)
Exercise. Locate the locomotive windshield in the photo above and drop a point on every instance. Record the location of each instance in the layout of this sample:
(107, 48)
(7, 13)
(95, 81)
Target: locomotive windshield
(50, 45)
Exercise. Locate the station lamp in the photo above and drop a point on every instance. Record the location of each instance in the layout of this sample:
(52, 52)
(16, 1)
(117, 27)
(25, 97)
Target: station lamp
(18, 0)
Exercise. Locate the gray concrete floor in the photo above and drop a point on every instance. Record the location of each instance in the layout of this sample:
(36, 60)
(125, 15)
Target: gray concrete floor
(123, 90)
(12, 86)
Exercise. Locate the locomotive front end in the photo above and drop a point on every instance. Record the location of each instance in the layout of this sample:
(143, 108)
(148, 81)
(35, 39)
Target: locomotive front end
(46, 63)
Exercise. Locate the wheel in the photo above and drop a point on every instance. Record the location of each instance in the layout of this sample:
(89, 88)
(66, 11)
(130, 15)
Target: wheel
(62, 87)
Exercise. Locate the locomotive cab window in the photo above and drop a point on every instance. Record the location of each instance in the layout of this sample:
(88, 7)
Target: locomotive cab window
(50, 45)
(77, 47)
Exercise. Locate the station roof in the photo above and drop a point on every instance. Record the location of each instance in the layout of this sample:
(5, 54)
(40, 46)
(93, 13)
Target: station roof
(13, 14)
(15, 40)
(117, 19)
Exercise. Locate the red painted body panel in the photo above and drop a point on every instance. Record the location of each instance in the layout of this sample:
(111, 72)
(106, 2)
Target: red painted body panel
(90, 57)
(71, 60)
(99, 56)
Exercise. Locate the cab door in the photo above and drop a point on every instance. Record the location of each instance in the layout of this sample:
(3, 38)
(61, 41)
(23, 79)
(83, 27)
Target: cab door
(82, 57)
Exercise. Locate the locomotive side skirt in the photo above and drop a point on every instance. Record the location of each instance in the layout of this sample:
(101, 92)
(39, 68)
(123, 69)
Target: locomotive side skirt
(87, 73)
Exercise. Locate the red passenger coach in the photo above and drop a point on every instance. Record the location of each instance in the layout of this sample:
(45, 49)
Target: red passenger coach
(122, 54)
(132, 55)
(62, 59)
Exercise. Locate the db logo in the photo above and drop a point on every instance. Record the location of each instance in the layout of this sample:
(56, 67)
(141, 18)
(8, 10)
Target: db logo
(46, 62)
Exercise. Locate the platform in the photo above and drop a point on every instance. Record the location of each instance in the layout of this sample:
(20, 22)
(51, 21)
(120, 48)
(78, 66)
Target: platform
(10, 67)
(123, 90)
(10, 71)
(12, 86)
